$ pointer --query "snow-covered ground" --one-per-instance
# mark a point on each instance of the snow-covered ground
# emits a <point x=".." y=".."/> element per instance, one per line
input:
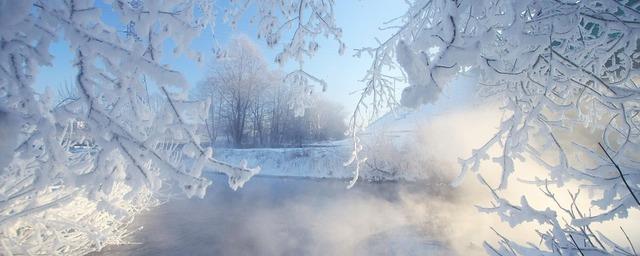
<point x="327" y="161"/>
<point x="400" y="146"/>
<point x="310" y="162"/>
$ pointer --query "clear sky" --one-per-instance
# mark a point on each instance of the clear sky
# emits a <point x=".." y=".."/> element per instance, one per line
<point x="359" y="20"/>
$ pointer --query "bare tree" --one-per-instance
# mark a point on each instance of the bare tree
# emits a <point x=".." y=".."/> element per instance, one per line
<point x="238" y="78"/>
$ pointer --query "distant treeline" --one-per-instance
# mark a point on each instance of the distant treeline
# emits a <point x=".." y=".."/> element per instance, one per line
<point x="253" y="106"/>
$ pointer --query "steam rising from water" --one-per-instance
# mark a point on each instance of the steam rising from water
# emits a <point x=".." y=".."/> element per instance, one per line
<point x="293" y="217"/>
<point x="271" y="216"/>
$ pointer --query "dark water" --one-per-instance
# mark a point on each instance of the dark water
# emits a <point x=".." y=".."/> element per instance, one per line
<point x="289" y="216"/>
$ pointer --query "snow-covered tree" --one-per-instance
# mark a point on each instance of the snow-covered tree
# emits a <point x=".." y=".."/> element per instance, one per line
<point x="257" y="106"/>
<point x="237" y="79"/>
<point x="566" y="72"/>
<point x="327" y="119"/>
<point x="73" y="176"/>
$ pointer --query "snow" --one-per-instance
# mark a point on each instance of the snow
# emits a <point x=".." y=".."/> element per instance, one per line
<point x="326" y="160"/>
<point x="564" y="72"/>
<point x="311" y="162"/>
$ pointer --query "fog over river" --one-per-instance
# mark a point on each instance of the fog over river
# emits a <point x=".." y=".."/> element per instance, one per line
<point x="293" y="216"/>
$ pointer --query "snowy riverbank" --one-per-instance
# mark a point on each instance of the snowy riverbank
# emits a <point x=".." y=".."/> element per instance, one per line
<point x="312" y="162"/>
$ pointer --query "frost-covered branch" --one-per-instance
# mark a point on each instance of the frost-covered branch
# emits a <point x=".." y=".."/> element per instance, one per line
<point x="566" y="73"/>
<point x="293" y="24"/>
<point x="78" y="170"/>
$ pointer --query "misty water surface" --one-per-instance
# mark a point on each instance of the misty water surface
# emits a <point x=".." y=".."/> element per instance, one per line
<point x="289" y="216"/>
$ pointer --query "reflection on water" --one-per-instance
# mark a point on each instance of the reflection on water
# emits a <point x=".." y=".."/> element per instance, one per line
<point x="285" y="216"/>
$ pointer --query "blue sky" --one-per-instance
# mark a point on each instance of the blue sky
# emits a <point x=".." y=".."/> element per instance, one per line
<point x="359" y="20"/>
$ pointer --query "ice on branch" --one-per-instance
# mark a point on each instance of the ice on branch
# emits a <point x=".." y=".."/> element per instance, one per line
<point x="566" y="74"/>
<point x="74" y="173"/>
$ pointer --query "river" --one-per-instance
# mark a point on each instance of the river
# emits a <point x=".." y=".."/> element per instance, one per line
<point x="291" y="216"/>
